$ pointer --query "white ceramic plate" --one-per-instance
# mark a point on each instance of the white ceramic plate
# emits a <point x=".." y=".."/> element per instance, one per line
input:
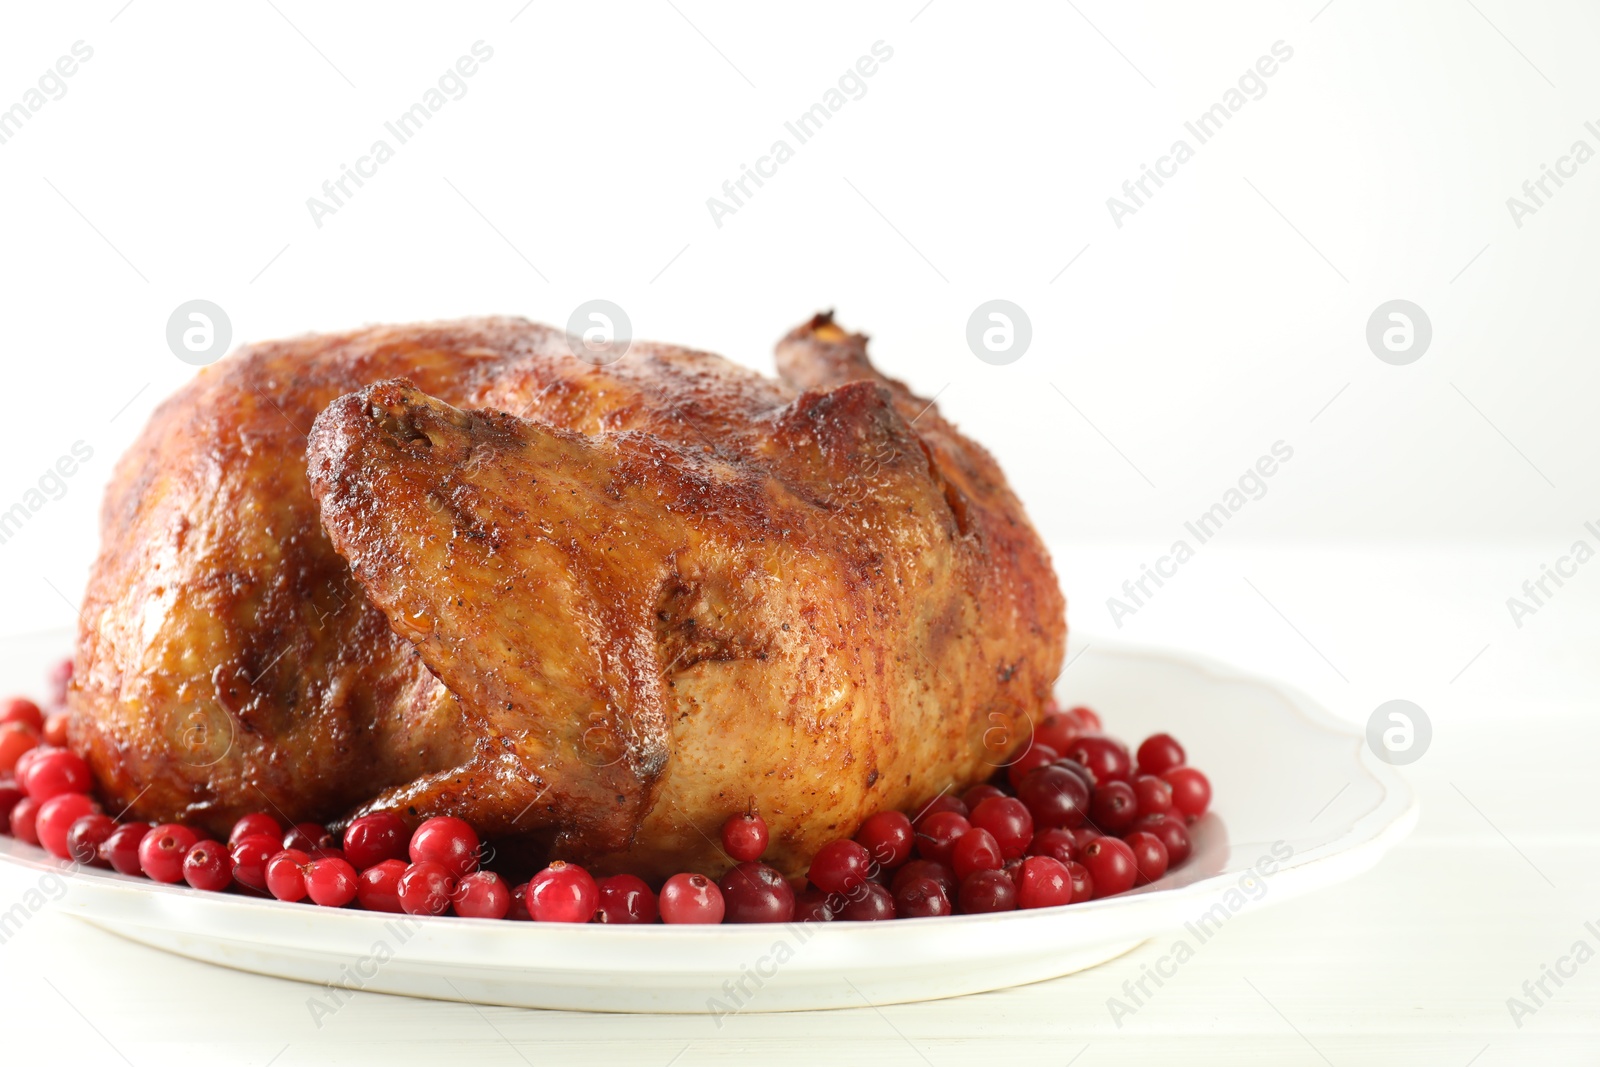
<point x="1299" y="804"/>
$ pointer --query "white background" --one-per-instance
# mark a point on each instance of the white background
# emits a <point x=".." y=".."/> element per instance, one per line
<point x="1227" y="314"/>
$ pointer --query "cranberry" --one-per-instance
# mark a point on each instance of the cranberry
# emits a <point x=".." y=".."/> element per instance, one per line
<point x="1149" y="856"/>
<point x="371" y="839"/>
<point x="1055" y="843"/>
<point x="1082" y="882"/>
<point x="162" y="850"/>
<point x="305" y="836"/>
<point x="55" y="772"/>
<point x="975" y="850"/>
<point x="921" y="898"/>
<point x="1037" y="755"/>
<point x="916" y="869"/>
<point x="253" y="825"/>
<point x="1114" y="807"/>
<point x="1088" y="720"/>
<point x="55" y="730"/>
<point x="1057" y="730"/>
<point x="888" y="838"/>
<point x="1044" y="883"/>
<point x="1009" y="820"/>
<point x="1111" y="865"/>
<point x="812" y="905"/>
<point x="744" y="837"/>
<point x="24" y="761"/>
<point x="519" y="903"/>
<point x="1083" y="835"/>
<point x="986" y="891"/>
<point x="938" y="833"/>
<point x="839" y="866"/>
<point x="56" y="817"/>
<point x="942" y="802"/>
<point x="15" y="741"/>
<point x="482" y="895"/>
<point x="1084" y="774"/>
<point x="755" y="893"/>
<point x="1154" y="795"/>
<point x="331" y="882"/>
<point x="450" y="842"/>
<point x="206" y="866"/>
<point x="694" y="898"/>
<point x="1191" y="791"/>
<point x="1170" y="829"/>
<point x="10" y="794"/>
<point x="870" y="902"/>
<point x="121" y="849"/>
<point x="249" y="856"/>
<point x="286" y="874"/>
<point x="979" y="793"/>
<point x="1104" y="757"/>
<point x="627" y="901"/>
<point x="378" y="887"/>
<point x="563" y="893"/>
<point x="1055" y="796"/>
<point x="425" y="888"/>
<point x="1159" y="753"/>
<point x="86" y="836"/>
<point x="23" y="710"/>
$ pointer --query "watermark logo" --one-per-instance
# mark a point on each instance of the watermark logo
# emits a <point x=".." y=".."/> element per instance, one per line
<point x="1399" y="732"/>
<point x="1399" y="332"/>
<point x="1537" y="992"/>
<point x="599" y="332"/>
<point x="999" y="332"/>
<point x="199" y="332"/>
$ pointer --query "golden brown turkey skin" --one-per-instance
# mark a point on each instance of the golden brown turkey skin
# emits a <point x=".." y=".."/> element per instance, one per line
<point x="673" y="589"/>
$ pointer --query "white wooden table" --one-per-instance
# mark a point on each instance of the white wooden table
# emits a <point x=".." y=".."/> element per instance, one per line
<point x="1412" y="963"/>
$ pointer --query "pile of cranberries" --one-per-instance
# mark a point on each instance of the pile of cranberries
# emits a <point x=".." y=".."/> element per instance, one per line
<point x="1075" y="817"/>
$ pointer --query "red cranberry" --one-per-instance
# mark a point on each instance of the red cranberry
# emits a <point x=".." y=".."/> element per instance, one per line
<point x="1105" y="757"/>
<point x="1082" y="882"/>
<point x="1170" y="829"/>
<point x="425" y="888"/>
<point x="921" y="898"/>
<point x="870" y="902"/>
<point x="1111" y="864"/>
<point x="519" y="904"/>
<point x="1191" y="791"/>
<point x="563" y="893"/>
<point x="979" y="793"/>
<point x="1114" y="807"/>
<point x="888" y="838"/>
<point x="55" y="772"/>
<point x="482" y="895"/>
<point x="938" y="833"/>
<point x="1054" y="796"/>
<point x="1088" y="720"/>
<point x="121" y="849"/>
<point x="55" y="819"/>
<point x="206" y="866"/>
<point x="1159" y="753"/>
<point x="1057" y="730"/>
<point x="755" y="893"/>
<point x="378" y="887"/>
<point x="744" y="837"/>
<point x="162" y="850"/>
<point x="1008" y="819"/>
<point x="249" y="856"/>
<point x="450" y="842"/>
<point x="1055" y="843"/>
<point x="694" y="898"/>
<point x="16" y="741"/>
<point x="331" y="882"/>
<point x="1083" y="835"/>
<point x="1153" y="794"/>
<point x="55" y="730"/>
<point x="1044" y="883"/>
<point x="975" y="850"/>
<point x="256" y="824"/>
<point x="1084" y="774"/>
<point x="1037" y="755"/>
<point x="23" y="710"/>
<point x="986" y="891"/>
<point x="371" y="839"/>
<point x="938" y="872"/>
<point x="286" y="874"/>
<point x="307" y="837"/>
<point x="627" y="901"/>
<point x="942" y="802"/>
<point x="1149" y="856"/>
<point x="10" y="794"/>
<point x="26" y="759"/>
<point x="86" y="837"/>
<point x="839" y="866"/>
<point x="812" y="905"/>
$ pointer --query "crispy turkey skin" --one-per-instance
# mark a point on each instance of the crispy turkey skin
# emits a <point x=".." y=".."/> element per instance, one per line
<point x="452" y="569"/>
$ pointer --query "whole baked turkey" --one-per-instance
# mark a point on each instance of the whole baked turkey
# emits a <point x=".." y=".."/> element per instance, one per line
<point x="593" y="610"/>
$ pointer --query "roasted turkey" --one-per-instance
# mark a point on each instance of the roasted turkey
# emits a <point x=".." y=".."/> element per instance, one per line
<point x="593" y="610"/>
